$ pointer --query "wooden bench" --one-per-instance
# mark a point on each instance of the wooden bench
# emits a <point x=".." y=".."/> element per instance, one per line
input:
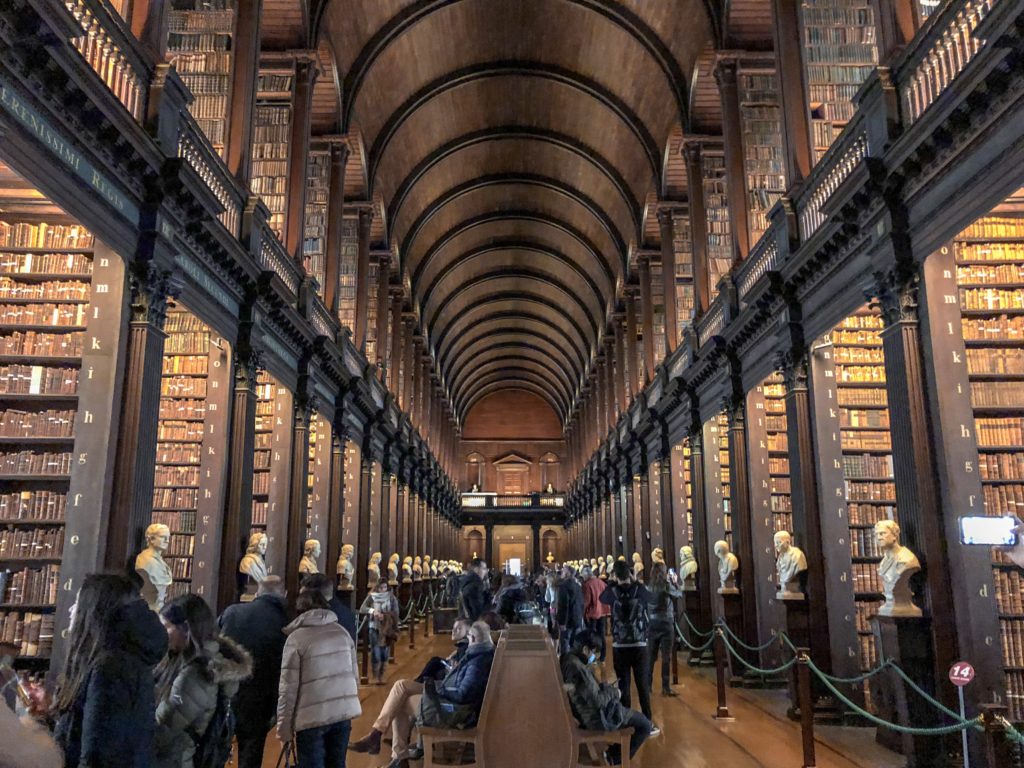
<point x="525" y="697"/>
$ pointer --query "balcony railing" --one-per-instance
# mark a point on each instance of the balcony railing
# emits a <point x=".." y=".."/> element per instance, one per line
<point x="108" y="50"/>
<point x="274" y="258"/>
<point x="839" y="162"/>
<point x="195" y="150"/>
<point x="941" y="53"/>
<point x="513" y="500"/>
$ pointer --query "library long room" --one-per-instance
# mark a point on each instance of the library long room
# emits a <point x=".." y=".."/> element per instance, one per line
<point x="336" y="323"/>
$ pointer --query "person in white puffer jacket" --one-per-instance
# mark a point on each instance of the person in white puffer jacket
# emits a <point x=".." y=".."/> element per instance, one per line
<point x="319" y="691"/>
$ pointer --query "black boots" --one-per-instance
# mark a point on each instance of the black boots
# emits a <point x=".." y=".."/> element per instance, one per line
<point x="369" y="744"/>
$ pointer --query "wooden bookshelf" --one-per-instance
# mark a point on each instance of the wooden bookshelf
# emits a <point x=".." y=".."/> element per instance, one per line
<point x="347" y="272"/>
<point x="318" y="480"/>
<point x="199" y="44"/>
<point x="272" y="466"/>
<point x="314" y="244"/>
<point x="989" y="257"/>
<point x="684" y="270"/>
<point x="658" y="304"/>
<point x="719" y="251"/>
<point x="271" y="141"/>
<point x="47" y="269"/>
<point x="373" y="285"/>
<point x="763" y="153"/>
<point x="350" y="517"/>
<point x="716" y="480"/>
<point x="839" y="54"/>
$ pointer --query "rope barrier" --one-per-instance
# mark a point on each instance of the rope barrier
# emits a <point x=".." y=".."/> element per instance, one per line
<point x="757" y="670"/>
<point x="694" y="629"/>
<point x="739" y="641"/>
<point x="694" y="648"/>
<point x="942" y="730"/>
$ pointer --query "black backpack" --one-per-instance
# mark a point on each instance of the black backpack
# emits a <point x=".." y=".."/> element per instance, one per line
<point x="629" y="617"/>
<point x="213" y="746"/>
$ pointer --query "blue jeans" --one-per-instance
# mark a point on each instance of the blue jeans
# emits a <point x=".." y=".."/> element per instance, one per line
<point x="380" y="653"/>
<point x="323" y="747"/>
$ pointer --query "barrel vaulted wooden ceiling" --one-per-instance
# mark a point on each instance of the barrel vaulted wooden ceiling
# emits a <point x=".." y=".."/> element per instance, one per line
<point x="517" y="150"/>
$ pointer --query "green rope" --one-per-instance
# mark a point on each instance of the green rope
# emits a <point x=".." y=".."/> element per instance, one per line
<point x="936" y="731"/>
<point x="709" y="633"/>
<point x="694" y="648"/>
<point x="867" y="676"/>
<point x="739" y="641"/>
<point x="922" y="693"/>
<point x="757" y="670"/>
<point x="1012" y="734"/>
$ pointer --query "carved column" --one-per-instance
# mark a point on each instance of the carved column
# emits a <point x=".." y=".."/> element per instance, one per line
<point x="897" y="21"/>
<point x="644" y="545"/>
<point x="742" y="519"/>
<point x="633" y="377"/>
<point x="796" y="119"/>
<point x="362" y="280"/>
<point x="726" y="72"/>
<point x="305" y="405"/>
<point x="619" y="534"/>
<point x="408" y="352"/>
<point x="668" y="527"/>
<point x="628" y="514"/>
<point x="335" y="517"/>
<point x="131" y="506"/>
<point x="148" y="22"/>
<point x="395" y="347"/>
<point x="668" y="279"/>
<point x="488" y="553"/>
<point x="609" y="382"/>
<point x="620" y="362"/>
<point x="241" y="447"/>
<point x="401" y="516"/>
<point x="706" y="577"/>
<point x="805" y="499"/>
<point x="387" y="537"/>
<point x="383" y="360"/>
<point x="698" y="227"/>
<point x="245" y="50"/>
<point x="647" y="315"/>
<point x="335" y="222"/>
<point x="363" y="539"/>
<point x="298" y="156"/>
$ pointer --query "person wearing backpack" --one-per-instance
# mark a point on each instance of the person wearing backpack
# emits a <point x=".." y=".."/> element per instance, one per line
<point x="195" y="683"/>
<point x="318" y="695"/>
<point x="629" y="600"/>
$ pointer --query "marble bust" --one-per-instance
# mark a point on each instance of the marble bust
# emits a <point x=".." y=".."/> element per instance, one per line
<point x="638" y="566"/>
<point x="728" y="563"/>
<point x="151" y="566"/>
<point x="393" y="569"/>
<point x="426" y="567"/>
<point x="310" y="555"/>
<point x="417" y="569"/>
<point x="254" y="564"/>
<point x="897" y="566"/>
<point x="407" y="569"/>
<point x="373" y="569"/>
<point x="346" y="568"/>
<point x="658" y="556"/>
<point x="687" y="568"/>
<point x="790" y="563"/>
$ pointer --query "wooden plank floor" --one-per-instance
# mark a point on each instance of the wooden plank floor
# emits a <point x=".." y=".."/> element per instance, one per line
<point x="691" y="738"/>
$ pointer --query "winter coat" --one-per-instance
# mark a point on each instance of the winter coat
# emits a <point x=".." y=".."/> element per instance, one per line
<point x="386" y="603"/>
<point x="507" y="600"/>
<point x="113" y="720"/>
<point x="467" y="683"/>
<point x="662" y="605"/>
<point x="587" y="696"/>
<point x="319" y="684"/>
<point x="593" y="608"/>
<point x="259" y="628"/>
<point x="569" y="613"/>
<point x="192" y="699"/>
<point x="346" y="617"/>
<point x="473" y="598"/>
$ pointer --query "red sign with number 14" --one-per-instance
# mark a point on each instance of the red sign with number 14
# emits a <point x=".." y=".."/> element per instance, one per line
<point x="961" y="673"/>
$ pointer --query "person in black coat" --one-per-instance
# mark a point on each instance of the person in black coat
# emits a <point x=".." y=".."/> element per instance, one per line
<point x="569" y="609"/>
<point x="322" y="583"/>
<point x="473" y="598"/>
<point x="259" y="628"/>
<point x="106" y="703"/>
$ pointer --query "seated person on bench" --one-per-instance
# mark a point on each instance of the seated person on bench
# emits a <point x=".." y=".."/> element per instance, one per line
<point x="403" y="702"/>
<point x="596" y="705"/>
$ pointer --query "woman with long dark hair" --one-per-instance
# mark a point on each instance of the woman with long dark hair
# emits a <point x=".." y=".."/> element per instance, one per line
<point x="199" y="664"/>
<point x="104" y="704"/>
<point x="664" y="591"/>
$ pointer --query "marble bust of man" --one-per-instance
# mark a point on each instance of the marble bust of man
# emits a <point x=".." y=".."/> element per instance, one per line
<point x="254" y="564"/>
<point x="790" y="563"/>
<point x="310" y="554"/>
<point x="728" y="563"/>
<point x="346" y="569"/>
<point x="393" y="569"/>
<point x="897" y="566"/>
<point x="407" y="570"/>
<point x="151" y="566"/>
<point x="373" y="569"/>
<point x="687" y="568"/>
<point x="638" y="566"/>
<point x="417" y="568"/>
<point x="658" y="556"/>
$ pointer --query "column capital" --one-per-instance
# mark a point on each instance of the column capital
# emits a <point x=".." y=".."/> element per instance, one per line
<point x="726" y="70"/>
<point x="794" y="365"/>
<point x="894" y="293"/>
<point x="152" y="288"/>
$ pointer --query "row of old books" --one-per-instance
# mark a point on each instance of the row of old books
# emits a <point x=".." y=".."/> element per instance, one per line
<point x="55" y="290"/>
<point x="30" y="632"/>
<point x="44" y="235"/>
<point x="178" y="453"/>
<point x="995" y="360"/>
<point x="854" y="417"/>
<point x="42" y="506"/>
<point x="172" y="476"/>
<point x="869" y="514"/>
<point x="1011" y="634"/>
<point x="862" y="397"/>
<point x="865" y="610"/>
<point x="30" y="586"/>
<point x="859" y="490"/>
<point x="36" y="343"/>
<point x="1001" y="466"/>
<point x="1006" y="430"/>
<point x="67" y="315"/>
<point x="858" y="440"/>
<point x="46" y="423"/>
<point x="176" y="409"/>
<point x="25" y="543"/>
<point x="184" y="431"/>
<point x="862" y="543"/>
<point x="176" y="520"/>
<point x="183" y="386"/>
<point x="996" y="394"/>
<point x="20" y="379"/>
<point x="35" y="463"/>
<point x="63" y="263"/>
<point x="859" y="355"/>
<point x="1009" y="591"/>
<point x="1004" y="499"/>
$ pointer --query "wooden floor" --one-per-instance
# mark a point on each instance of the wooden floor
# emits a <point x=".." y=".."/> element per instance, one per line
<point x="760" y="737"/>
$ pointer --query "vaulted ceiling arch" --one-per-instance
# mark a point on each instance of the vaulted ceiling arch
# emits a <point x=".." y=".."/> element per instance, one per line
<point x="505" y="385"/>
<point x="514" y="339"/>
<point x="523" y="361"/>
<point x="506" y="378"/>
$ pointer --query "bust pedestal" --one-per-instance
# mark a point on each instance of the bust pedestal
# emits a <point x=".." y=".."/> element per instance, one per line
<point x="691" y="602"/>
<point x="907" y="640"/>
<point x="798" y="627"/>
<point x="732" y="612"/>
<point x="347" y="595"/>
<point x="404" y="595"/>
